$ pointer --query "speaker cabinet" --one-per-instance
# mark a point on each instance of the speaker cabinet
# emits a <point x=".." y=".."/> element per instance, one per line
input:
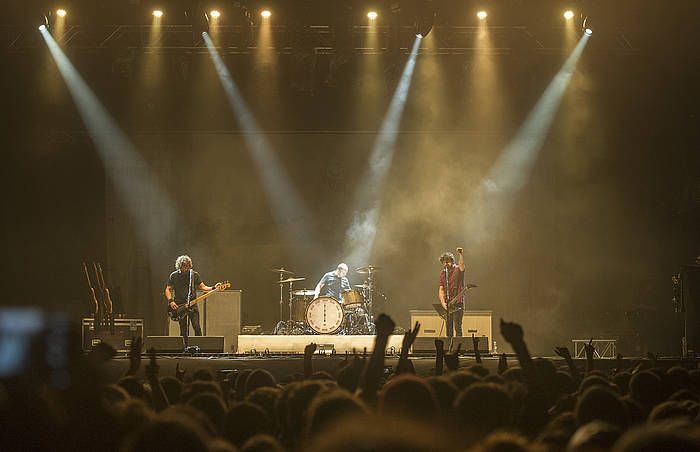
<point x="220" y="315"/>
<point x="207" y="344"/>
<point x="125" y="330"/>
<point x="477" y="323"/>
<point x="164" y="344"/>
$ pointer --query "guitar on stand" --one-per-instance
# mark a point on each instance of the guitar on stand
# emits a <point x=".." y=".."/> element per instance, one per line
<point x="180" y="312"/>
<point x="93" y="298"/>
<point x="109" y="315"/>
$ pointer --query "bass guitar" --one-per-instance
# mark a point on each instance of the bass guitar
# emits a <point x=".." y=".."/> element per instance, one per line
<point x="181" y="311"/>
<point x="452" y="305"/>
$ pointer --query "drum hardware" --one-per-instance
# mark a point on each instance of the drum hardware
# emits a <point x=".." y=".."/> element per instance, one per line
<point x="290" y="326"/>
<point x="282" y="270"/>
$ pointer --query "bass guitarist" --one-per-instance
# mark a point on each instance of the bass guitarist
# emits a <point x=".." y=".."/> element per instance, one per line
<point x="451" y="290"/>
<point x="181" y="288"/>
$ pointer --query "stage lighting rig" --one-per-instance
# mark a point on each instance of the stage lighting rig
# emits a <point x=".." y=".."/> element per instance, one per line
<point x="425" y="17"/>
<point x="586" y="26"/>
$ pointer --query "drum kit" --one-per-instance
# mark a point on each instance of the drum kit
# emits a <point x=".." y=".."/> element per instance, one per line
<point x="327" y="315"/>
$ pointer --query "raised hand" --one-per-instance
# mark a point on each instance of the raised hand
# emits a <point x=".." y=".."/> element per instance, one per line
<point x="563" y="352"/>
<point x="310" y="349"/>
<point x="590" y="349"/>
<point x="152" y="368"/>
<point x="511" y="331"/>
<point x="134" y="356"/>
<point x="502" y="363"/>
<point x="475" y="342"/>
<point x="439" y="346"/>
<point x="460" y="250"/>
<point x="384" y="324"/>
<point x="409" y="337"/>
<point x="179" y="372"/>
<point x="452" y="359"/>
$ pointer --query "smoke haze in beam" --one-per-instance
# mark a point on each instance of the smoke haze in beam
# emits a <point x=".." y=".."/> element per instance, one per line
<point x="149" y="206"/>
<point x="290" y="212"/>
<point x="511" y="171"/>
<point x="361" y="234"/>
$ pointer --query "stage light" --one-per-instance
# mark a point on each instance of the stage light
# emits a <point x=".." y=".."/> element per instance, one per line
<point x="372" y="15"/>
<point x="482" y="15"/>
<point x="265" y="13"/>
<point x="61" y="12"/>
<point x="42" y="27"/>
<point x="588" y="31"/>
<point x="214" y="14"/>
<point x="568" y="14"/>
<point x="157" y="13"/>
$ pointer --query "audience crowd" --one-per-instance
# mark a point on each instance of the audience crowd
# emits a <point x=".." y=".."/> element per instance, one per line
<point x="536" y="404"/>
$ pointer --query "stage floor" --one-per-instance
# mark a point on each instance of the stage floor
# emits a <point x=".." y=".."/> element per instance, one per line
<point x="297" y="343"/>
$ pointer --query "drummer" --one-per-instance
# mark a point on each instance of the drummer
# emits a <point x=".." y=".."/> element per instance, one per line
<point x="334" y="283"/>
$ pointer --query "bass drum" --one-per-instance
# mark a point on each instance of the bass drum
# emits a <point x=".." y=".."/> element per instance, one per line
<point x="325" y="315"/>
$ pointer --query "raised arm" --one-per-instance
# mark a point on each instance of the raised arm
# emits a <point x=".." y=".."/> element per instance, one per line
<point x="372" y="375"/>
<point x="460" y="258"/>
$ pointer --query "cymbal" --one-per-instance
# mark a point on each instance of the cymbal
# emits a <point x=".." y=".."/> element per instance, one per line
<point x="362" y="286"/>
<point x="289" y="280"/>
<point x="304" y="293"/>
<point x="367" y="269"/>
<point x="282" y="270"/>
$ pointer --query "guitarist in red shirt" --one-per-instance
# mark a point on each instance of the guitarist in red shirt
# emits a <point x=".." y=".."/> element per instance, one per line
<point x="451" y="290"/>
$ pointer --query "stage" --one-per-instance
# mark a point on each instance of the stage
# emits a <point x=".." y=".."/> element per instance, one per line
<point x="265" y="343"/>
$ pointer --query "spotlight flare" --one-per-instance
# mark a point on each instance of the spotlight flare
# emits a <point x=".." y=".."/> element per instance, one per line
<point x="568" y="14"/>
<point x="157" y="13"/>
<point x="372" y="15"/>
<point x="61" y="12"/>
<point x="215" y="14"/>
<point x="265" y="13"/>
<point x="482" y="15"/>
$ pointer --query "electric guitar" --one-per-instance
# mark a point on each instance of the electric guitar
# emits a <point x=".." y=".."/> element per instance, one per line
<point x="181" y="311"/>
<point x="452" y="305"/>
<point x="93" y="298"/>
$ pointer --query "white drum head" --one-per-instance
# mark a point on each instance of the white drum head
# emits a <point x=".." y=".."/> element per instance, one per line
<point x="325" y="315"/>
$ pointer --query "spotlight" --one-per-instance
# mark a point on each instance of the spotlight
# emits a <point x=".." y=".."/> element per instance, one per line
<point x="482" y="15"/>
<point x="214" y="14"/>
<point x="61" y="12"/>
<point x="42" y="27"/>
<point x="265" y="13"/>
<point x="372" y="15"/>
<point x="424" y="18"/>
<point x="568" y="14"/>
<point x="586" y="26"/>
<point x="157" y="13"/>
<point x="588" y="31"/>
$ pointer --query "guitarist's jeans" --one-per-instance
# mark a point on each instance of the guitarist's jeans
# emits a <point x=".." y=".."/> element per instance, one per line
<point x="455" y="320"/>
<point x="193" y="317"/>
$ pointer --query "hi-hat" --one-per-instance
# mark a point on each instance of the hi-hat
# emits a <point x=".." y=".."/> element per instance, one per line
<point x="367" y="269"/>
<point x="282" y="270"/>
<point x="282" y="281"/>
<point x="362" y="286"/>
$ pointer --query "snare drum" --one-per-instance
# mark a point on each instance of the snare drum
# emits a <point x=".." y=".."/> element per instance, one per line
<point x="353" y="299"/>
<point x="325" y="315"/>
